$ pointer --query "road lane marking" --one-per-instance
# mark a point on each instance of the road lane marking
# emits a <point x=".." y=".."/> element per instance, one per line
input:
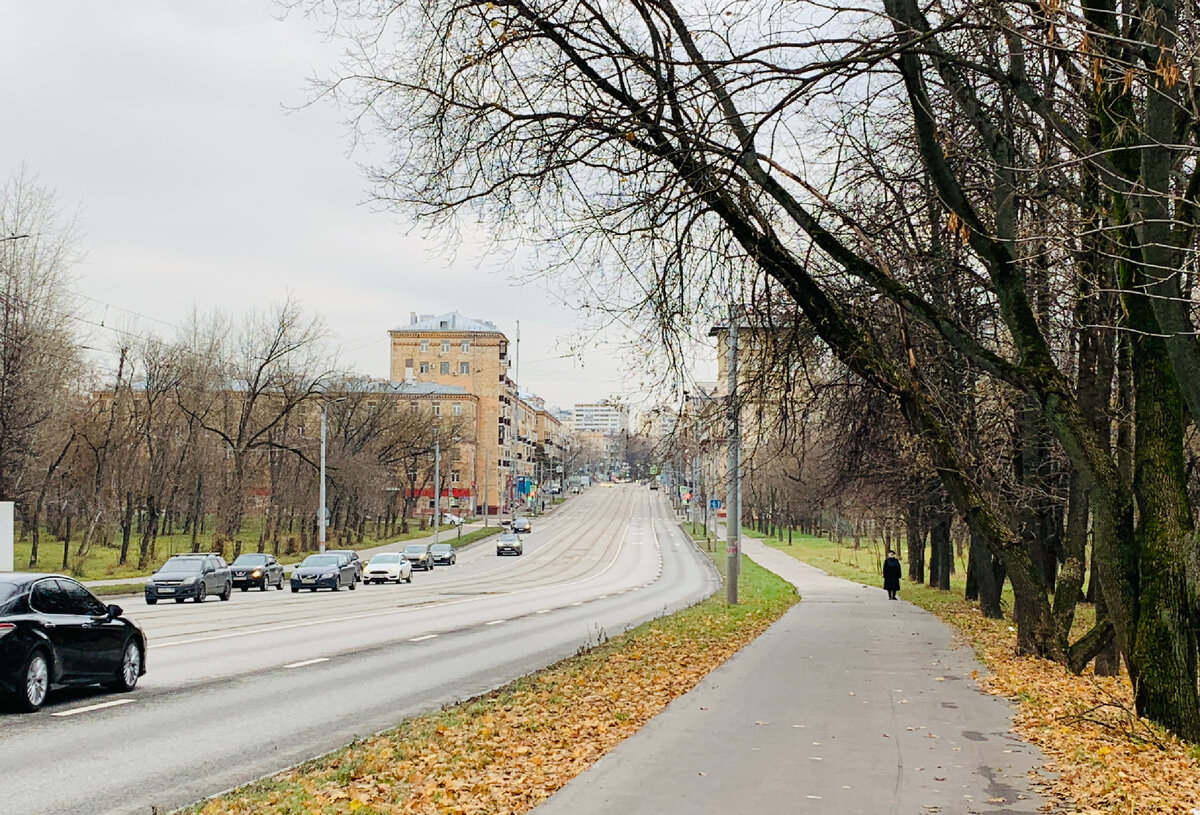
<point x="307" y="662"/>
<point x="90" y="708"/>
<point x="496" y="622"/>
<point x="544" y="611"/>
<point x="423" y="637"/>
<point x="577" y="604"/>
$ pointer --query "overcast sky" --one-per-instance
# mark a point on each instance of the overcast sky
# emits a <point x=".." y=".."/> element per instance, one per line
<point x="169" y="124"/>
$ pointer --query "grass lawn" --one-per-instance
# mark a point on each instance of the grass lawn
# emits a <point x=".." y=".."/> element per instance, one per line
<point x="101" y="562"/>
<point x="510" y="749"/>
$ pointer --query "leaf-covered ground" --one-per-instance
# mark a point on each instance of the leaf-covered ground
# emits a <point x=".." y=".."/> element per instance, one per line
<point x="1102" y="757"/>
<point x="507" y="751"/>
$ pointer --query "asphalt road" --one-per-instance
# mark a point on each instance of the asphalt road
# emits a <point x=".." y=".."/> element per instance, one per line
<point x="239" y="689"/>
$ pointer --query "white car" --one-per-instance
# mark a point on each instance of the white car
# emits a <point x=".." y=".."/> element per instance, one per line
<point x="387" y="567"/>
<point x="451" y="518"/>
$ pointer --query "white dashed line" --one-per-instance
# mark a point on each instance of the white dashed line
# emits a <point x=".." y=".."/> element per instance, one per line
<point x="496" y="622"/>
<point x="90" y="708"/>
<point x="577" y="604"/>
<point x="307" y="662"/>
<point x="423" y="637"/>
<point x="544" y="611"/>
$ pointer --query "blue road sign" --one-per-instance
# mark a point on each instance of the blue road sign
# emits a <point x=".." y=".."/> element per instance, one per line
<point x="714" y="503"/>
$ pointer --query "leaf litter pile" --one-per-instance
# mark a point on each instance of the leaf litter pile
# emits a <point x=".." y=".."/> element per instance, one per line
<point x="507" y="751"/>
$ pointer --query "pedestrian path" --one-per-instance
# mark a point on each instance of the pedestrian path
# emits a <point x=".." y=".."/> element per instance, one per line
<point x="851" y="703"/>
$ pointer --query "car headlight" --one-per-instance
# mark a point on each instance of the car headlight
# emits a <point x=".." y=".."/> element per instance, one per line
<point x="329" y="574"/>
<point x="187" y="581"/>
<point x="256" y="573"/>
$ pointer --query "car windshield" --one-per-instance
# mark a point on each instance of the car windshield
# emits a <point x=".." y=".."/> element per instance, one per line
<point x="7" y="590"/>
<point x="385" y="557"/>
<point x="440" y="548"/>
<point x="181" y="566"/>
<point x="414" y="549"/>
<point x="251" y="560"/>
<point x="320" y="560"/>
<point x="509" y="537"/>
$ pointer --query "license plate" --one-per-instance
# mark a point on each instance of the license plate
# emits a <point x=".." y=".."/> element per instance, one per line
<point x="166" y="590"/>
<point x="308" y="580"/>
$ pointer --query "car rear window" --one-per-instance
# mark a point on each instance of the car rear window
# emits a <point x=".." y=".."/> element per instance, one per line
<point x="7" y="592"/>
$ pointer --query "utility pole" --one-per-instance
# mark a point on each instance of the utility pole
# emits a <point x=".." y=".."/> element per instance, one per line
<point x="437" y="484"/>
<point x="733" y="502"/>
<point x="514" y="440"/>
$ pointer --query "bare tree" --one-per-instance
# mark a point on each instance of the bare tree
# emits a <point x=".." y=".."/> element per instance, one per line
<point x="676" y="145"/>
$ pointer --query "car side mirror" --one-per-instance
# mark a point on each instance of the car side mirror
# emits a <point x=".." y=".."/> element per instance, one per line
<point x="114" y="611"/>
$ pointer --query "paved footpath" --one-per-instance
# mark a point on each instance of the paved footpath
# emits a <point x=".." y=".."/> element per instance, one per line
<point x="851" y="703"/>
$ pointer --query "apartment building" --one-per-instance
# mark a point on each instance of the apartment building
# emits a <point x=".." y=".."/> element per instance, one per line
<point x="600" y="417"/>
<point x="514" y="436"/>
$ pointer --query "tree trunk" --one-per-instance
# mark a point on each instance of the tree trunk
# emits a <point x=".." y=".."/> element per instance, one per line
<point x="67" y="545"/>
<point x="915" y="542"/>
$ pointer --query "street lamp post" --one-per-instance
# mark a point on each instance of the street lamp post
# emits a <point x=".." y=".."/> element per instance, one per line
<point x="321" y="513"/>
<point x="437" y="485"/>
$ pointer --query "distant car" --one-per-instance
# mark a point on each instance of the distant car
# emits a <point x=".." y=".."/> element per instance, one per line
<point x="325" y="571"/>
<point x="387" y="566"/>
<point x="443" y="553"/>
<point x="419" y="556"/>
<point x="53" y="631"/>
<point x="555" y="489"/>
<point x="653" y="485"/>
<point x="522" y="525"/>
<point x="354" y="558"/>
<point x="255" y="570"/>
<point x="509" y="542"/>
<point x="189" y="576"/>
<point x="451" y="518"/>
<point x="576" y="490"/>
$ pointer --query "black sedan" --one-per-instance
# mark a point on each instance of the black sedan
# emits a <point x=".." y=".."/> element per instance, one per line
<point x="443" y="553"/>
<point x="53" y="631"/>
<point x="327" y="571"/>
<point x="256" y="571"/>
<point x="522" y="525"/>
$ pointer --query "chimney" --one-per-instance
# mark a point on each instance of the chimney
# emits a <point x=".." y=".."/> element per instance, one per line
<point x="412" y="318"/>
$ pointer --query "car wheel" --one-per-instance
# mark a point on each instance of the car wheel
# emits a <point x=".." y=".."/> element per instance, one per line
<point x="266" y="584"/>
<point x="295" y="590"/>
<point x="201" y="593"/>
<point x="279" y="585"/>
<point x="407" y="579"/>
<point x="180" y="599"/>
<point x="151" y="601"/>
<point x="36" y="682"/>
<point x="131" y="669"/>
<point x="337" y="584"/>
<point x="225" y="595"/>
<point x="244" y="588"/>
<point x="353" y="584"/>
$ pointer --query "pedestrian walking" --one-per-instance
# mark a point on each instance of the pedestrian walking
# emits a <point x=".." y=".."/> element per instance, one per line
<point x="891" y="575"/>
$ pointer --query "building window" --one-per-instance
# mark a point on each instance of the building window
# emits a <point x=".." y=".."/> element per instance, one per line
<point x="456" y="408"/>
<point x="445" y="368"/>
<point x="424" y="346"/>
<point x="445" y="346"/>
<point x="454" y="476"/>
<point x="437" y="408"/>
<point x="464" y="368"/>
<point x="424" y="367"/>
<point x="466" y="346"/>
<point x="412" y="407"/>
<point x="408" y="363"/>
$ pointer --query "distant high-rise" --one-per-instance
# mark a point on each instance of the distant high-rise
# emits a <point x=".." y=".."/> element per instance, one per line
<point x="600" y="417"/>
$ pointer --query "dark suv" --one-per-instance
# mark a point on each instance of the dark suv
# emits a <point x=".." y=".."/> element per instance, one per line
<point x="193" y="577"/>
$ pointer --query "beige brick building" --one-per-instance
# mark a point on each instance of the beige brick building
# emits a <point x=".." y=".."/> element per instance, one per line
<point x="515" y="439"/>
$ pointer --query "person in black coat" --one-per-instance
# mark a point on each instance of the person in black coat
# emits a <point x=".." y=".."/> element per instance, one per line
<point x="891" y="575"/>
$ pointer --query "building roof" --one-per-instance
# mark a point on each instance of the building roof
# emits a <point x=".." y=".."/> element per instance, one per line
<point x="399" y="388"/>
<point x="450" y="321"/>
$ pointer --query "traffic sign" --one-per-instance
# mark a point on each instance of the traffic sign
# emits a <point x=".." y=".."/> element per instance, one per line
<point x="714" y="503"/>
